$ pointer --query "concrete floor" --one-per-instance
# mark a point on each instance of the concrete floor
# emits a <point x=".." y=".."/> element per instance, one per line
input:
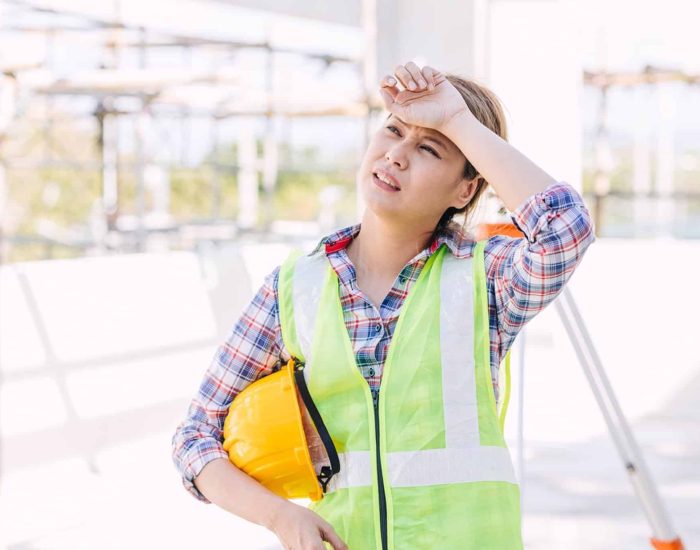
<point x="127" y="494"/>
<point x="85" y="442"/>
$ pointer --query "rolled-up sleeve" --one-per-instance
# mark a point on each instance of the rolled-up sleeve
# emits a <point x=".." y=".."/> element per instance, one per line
<point x="250" y="351"/>
<point x="527" y="274"/>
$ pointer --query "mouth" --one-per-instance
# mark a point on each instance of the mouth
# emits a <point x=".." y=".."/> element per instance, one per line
<point x="386" y="182"/>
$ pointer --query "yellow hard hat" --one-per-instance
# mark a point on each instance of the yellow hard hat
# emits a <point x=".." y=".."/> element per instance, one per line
<point x="264" y="435"/>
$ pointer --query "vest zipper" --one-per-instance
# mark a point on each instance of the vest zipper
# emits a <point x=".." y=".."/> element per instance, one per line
<point x="380" y="479"/>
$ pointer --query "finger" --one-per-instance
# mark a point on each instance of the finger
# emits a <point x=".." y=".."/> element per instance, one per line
<point x="388" y="84"/>
<point x="331" y="536"/>
<point x="416" y="74"/>
<point x="438" y="77"/>
<point x="390" y="104"/>
<point x="388" y="81"/>
<point x="429" y="75"/>
<point x="405" y="77"/>
<point x="387" y="98"/>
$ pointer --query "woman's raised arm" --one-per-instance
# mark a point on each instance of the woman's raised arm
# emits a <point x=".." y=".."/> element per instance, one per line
<point x="513" y="176"/>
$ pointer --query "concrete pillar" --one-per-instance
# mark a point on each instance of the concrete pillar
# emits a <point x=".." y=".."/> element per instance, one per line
<point x="109" y="143"/>
<point x="665" y="211"/>
<point x="450" y="36"/>
<point x="247" y="176"/>
<point x="525" y="50"/>
<point x="603" y="160"/>
<point x="8" y="95"/>
<point x="270" y="165"/>
<point x="143" y="144"/>
<point x="641" y="176"/>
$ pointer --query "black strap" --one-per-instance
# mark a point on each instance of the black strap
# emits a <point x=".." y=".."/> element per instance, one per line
<point x="326" y="472"/>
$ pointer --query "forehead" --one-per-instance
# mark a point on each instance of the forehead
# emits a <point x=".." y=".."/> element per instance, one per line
<point x="428" y="132"/>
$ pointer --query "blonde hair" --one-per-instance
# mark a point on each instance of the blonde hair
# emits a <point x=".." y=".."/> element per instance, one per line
<point x="487" y="108"/>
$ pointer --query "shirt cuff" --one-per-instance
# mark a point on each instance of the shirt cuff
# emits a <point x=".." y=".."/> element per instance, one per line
<point x="202" y="454"/>
<point x="535" y="213"/>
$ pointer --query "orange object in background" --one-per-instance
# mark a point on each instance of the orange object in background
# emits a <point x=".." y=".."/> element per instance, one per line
<point x="675" y="544"/>
<point x="486" y="230"/>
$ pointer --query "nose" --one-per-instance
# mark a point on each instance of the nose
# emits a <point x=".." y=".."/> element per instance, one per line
<point x="397" y="156"/>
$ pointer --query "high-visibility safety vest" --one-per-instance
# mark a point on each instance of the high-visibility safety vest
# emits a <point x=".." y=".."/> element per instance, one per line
<point x="427" y="467"/>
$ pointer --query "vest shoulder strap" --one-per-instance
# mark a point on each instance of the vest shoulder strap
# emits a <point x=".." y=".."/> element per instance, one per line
<point x="480" y="278"/>
<point x="301" y="282"/>
<point x="285" y="301"/>
<point x="506" y="395"/>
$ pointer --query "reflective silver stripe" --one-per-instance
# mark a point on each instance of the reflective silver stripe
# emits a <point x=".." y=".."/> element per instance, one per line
<point x="429" y="467"/>
<point x="309" y="275"/>
<point x="444" y="466"/>
<point x="457" y="353"/>
<point x="355" y="471"/>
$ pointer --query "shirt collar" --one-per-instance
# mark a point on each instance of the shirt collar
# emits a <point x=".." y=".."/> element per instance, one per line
<point x="453" y="236"/>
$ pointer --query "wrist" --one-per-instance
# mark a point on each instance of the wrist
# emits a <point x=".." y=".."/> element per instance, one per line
<point x="458" y="123"/>
<point x="273" y="512"/>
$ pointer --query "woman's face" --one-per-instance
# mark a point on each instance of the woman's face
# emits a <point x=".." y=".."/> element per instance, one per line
<point x="424" y="170"/>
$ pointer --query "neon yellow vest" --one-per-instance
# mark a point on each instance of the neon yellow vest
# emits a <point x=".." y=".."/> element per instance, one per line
<point x="428" y="468"/>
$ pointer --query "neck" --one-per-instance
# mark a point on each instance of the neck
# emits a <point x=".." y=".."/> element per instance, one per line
<point x="386" y="247"/>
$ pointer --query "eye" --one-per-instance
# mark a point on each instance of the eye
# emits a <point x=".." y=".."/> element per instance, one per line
<point x="394" y="130"/>
<point x="431" y="150"/>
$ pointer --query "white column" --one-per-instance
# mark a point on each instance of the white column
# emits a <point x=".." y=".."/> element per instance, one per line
<point x="641" y="177"/>
<point x="247" y="176"/>
<point x="527" y="51"/>
<point x="449" y="35"/>
<point x="665" y="213"/>
<point x="8" y="89"/>
<point x="110" y="144"/>
<point x="144" y="152"/>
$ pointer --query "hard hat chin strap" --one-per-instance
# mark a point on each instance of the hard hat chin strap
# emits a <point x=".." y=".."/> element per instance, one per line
<point x="327" y="472"/>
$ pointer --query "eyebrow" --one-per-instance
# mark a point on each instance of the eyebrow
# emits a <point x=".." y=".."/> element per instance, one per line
<point x="429" y="138"/>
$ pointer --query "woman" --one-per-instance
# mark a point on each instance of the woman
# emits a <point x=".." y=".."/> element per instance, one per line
<point x="425" y="463"/>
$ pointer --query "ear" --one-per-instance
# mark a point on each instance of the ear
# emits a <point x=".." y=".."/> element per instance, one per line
<point x="467" y="188"/>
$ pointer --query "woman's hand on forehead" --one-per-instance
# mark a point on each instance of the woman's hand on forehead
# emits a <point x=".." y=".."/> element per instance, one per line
<point x="427" y="99"/>
<point x="415" y="79"/>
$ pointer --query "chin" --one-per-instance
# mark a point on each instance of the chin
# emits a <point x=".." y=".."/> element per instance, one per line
<point x="385" y="209"/>
<point x="375" y="197"/>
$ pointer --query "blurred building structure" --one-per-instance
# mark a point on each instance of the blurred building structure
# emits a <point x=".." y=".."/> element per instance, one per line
<point x="100" y="355"/>
<point x="150" y="94"/>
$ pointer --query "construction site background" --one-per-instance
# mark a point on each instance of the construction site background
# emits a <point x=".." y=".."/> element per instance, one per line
<point x="153" y="170"/>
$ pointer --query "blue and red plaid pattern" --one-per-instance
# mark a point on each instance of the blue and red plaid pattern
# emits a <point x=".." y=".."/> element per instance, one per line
<point x="523" y="276"/>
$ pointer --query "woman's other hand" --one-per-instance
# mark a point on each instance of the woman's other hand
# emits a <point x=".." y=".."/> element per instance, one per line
<point x="298" y="528"/>
<point x="428" y="98"/>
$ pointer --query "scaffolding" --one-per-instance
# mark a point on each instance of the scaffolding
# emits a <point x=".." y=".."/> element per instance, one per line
<point x="128" y="94"/>
<point x="653" y="195"/>
<point x="148" y="92"/>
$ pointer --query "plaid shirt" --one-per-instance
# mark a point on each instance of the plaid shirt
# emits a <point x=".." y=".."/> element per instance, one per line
<point x="523" y="276"/>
